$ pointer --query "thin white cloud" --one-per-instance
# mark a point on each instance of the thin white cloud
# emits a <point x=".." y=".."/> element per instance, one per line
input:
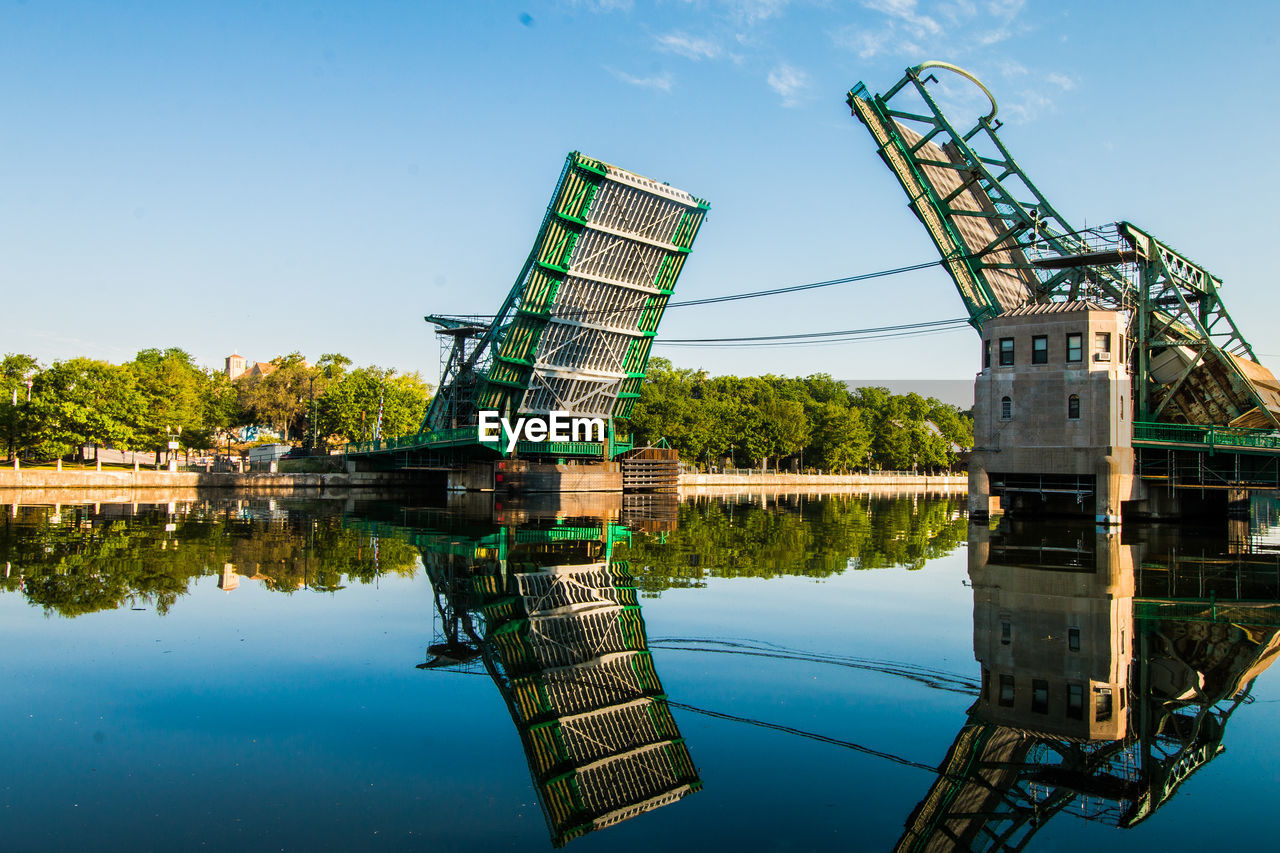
<point x="789" y="82"/>
<point x="995" y="36"/>
<point x="1011" y="68"/>
<point x="1028" y="106"/>
<point x="659" y="82"/>
<point x="957" y="11"/>
<point x="690" y="47"/>
<point x="1006" y="9"/>
<point x="1062" y="81"/>
<point x="866" y="43"/>
<point x="751" y="12"/>
<point x="904" y="12"/>
<point x="605" y="5"/>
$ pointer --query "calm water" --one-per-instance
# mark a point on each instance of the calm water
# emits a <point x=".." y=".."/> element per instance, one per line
<point x="845" y="672"/>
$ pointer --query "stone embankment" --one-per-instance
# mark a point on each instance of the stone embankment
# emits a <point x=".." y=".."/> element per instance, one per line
<point x="146" y="482"/>
<point x="889" y="483"/>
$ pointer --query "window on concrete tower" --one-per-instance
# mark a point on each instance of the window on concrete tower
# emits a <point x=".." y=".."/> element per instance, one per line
<point x="1006" y="408"/>
<point x="1075" y="347"/>
<point x="1006" y="352"/>
<point x="1006" y="691"/>
<point x="1039" y="696"/>
<point x="1075" y="701"/>
<point x="1102" y="703"/>
<point x="1040" y="349"/>
<point x="986" y="354"/>
<point x="1073" y="407"/>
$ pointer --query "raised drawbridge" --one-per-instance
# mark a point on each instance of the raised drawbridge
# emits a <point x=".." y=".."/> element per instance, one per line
<point x="574" y="333"/>
<point x="1005" y="246"/>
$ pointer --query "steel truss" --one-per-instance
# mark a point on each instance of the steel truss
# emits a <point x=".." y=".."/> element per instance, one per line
<point x="1005" y="245"/>
<point x="575" y="332"/>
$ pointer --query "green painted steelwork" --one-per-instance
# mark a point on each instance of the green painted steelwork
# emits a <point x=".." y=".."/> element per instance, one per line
<point x="576" y="329"/>
<point x="1005" y="245"/>
<point x="1207" y="438"/>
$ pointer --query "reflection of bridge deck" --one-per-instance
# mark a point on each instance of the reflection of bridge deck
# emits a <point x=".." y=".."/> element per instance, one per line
<point x="556" y="623"/>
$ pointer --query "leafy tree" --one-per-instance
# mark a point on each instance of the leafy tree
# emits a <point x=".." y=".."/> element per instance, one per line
<point x="349" y="407"/>
<point x="81" y="401"/>
<point x="176" y="396"/>
<point x="282" y="397"/>
<point x="15" y="370"/>
<point x="757" y="419"/>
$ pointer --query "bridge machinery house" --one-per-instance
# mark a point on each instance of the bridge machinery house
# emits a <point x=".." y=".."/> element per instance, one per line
<point x="1052" y="412"/>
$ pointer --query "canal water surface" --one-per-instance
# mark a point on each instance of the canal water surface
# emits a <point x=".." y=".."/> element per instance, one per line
<point x="844" y="672"/>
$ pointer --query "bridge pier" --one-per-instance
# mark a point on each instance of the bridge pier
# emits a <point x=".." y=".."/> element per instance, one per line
<point x="1051" y="429"/>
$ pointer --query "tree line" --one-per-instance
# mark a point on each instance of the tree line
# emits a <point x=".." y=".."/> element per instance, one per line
<point x="815" y="422"/>
<point x="49" y="412"/>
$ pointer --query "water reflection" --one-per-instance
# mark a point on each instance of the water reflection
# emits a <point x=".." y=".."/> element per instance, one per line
<point x="1110" y="668"/>
<point x="766" y="537"/>
<point x="539" y="600"/>
<point x="78" y="559"/>
<point x="73" y="559"/>
<point x="544" y="599"/>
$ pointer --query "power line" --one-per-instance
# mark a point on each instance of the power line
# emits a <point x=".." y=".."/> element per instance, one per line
<point x="799" y="287"/>
<point x="872" y="330"/>
<point x="821" y="338"/>
<point x="733" y="297"/>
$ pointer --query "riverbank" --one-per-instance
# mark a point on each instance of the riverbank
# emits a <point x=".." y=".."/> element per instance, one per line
<point x="251" y="483"/>
<point x="146" y="484"/>
<point x="894" y="483"/>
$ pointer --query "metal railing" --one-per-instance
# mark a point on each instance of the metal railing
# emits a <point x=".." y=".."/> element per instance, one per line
<point x="439" y="438"/>
<point x="468" y="435"/>
<point x="1208" y="436"/>
<point x="561" y="448"/>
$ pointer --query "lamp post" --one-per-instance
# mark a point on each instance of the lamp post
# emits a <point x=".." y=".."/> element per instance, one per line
<point x="13" y="420"/>
<point x="311" y="440"/>
<point x="28" y="384"/>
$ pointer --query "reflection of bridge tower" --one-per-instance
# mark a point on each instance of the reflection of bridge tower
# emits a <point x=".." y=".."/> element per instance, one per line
<point x="1052" y="628"/>
<point x="1030" y="749"/>
<point x="557" y="625"/>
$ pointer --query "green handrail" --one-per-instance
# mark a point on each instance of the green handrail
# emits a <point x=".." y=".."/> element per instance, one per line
<point x="1209" y="436"/>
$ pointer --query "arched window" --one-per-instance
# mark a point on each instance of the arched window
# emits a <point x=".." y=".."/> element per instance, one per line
<point x="1073" y="407"/>
<point x="1006" y="408"/>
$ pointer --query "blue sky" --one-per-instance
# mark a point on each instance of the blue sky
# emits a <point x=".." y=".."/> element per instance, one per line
<point x="270" y="177"/>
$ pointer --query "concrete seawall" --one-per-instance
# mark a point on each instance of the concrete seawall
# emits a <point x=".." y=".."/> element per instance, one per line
<point x="145" y="481"/>
<point x="723" y="484"/>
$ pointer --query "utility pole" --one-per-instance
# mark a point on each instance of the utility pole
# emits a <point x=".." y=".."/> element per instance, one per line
<point x="13" y="420"/>
<point x="311" y="441"/>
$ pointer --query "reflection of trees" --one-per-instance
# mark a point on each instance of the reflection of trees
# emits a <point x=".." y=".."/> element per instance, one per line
<point x="808" y="537"/>
<point x="84" y="563"/>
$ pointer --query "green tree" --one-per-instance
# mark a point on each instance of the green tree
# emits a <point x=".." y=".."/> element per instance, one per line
<point x="176" y="396"/>
<point x="15" y="371"/>
<point x="78" y="402"/>
<point x="282" y="397"/>
<point x="349" y="407"/>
